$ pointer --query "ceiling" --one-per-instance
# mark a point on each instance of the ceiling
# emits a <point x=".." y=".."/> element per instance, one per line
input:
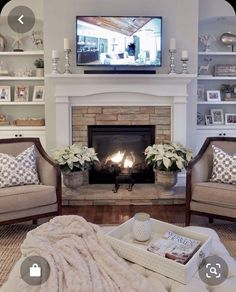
<point x="124" y="25"/>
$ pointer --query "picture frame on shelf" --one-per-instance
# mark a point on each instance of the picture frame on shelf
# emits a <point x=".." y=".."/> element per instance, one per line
<point x="38" y="94"/>
<point x="201" y="93"/>
<point x="213" y="95"/>
<point x="208" y="120"/>
<point x="21" y="93"/>
<point x="230" y="119"/>
<point x="5" y="93"/>
<point x="217" y="116"/>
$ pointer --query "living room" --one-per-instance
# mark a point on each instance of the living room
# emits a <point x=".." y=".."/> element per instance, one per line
<point x="115" y="93"/>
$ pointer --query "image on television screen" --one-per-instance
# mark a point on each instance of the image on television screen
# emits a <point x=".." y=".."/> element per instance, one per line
<point x="103" y="40"/>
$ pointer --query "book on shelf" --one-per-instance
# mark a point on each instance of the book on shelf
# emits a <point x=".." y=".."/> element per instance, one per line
<point x="174" y="246"/>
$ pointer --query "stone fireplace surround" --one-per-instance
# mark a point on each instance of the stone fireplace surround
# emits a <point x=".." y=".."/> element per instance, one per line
<point x="120" y="90"/>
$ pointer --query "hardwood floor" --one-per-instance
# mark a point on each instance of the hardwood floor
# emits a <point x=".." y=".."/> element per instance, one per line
<point x="119" y="214"/>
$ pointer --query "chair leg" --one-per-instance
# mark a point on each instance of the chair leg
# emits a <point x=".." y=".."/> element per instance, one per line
<point x="187" y="218"/>
<point x="35" y="221"/>
<point x="211" y="220"/>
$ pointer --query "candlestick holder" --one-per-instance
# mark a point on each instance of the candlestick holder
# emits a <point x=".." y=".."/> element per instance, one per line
<point x="55" y="62"/>
<point x="67" y="63"/>
<point x="184" y="65"/>
<point x="172" y="61"/>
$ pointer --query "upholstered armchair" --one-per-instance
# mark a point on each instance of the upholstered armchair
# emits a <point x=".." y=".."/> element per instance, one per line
<point x="206" y="198"/>
<point x="32" y="201"/>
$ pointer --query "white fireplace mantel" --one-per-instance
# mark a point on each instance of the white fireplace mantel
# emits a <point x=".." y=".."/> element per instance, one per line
<point x="120" y="90"/>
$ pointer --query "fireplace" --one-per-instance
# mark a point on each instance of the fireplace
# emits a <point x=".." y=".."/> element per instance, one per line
<point x="121" y="153"/>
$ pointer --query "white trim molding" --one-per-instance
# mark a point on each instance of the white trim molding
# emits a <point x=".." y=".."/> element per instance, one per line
<point x="120" y="90"/>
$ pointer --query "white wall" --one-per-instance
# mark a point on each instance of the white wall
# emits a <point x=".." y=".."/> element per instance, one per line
<point x="180" y="20"/>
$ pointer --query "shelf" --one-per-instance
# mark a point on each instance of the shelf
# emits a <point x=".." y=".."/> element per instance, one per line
<point x="216" y="102"/>
<point x="217" y="53"/>
<point x="216" y="127"/>
<point x="12" y="78"/>
<point x="15" y="128"/>
<point x="22" y="103"/>
<point x="25" y="53"/>
<point x="209" y="77"/>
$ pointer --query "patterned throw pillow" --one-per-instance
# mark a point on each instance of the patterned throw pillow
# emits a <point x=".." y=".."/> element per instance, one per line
<point x="19" y="170"/>
<point x="224" y="167"/>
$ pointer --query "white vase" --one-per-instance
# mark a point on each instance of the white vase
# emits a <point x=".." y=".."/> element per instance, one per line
<point x="73" y="180"/>
<point x="39" y="72"/>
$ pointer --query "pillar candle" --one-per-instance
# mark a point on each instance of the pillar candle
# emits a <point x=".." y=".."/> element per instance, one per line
<point x="55" y="54"/>
<point x="172" y="44"/>
<point x="66" y="44"/>
<point x="184" y="54"/>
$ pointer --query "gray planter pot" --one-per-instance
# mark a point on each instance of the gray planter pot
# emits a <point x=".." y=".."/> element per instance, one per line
<point x="73" y="180"/>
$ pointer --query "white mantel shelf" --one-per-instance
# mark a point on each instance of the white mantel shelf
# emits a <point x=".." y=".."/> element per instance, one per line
<point x="120" y="90"/>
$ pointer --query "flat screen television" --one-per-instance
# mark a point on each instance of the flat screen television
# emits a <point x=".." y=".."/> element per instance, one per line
<point x="119" y="40"/>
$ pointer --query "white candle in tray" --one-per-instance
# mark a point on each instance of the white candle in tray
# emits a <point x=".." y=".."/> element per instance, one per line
<point x="66" y="44"/>
<point x="172" y="44"/>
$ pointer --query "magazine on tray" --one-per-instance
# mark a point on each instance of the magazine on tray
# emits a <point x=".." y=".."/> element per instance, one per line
<point x="174" y="246"/>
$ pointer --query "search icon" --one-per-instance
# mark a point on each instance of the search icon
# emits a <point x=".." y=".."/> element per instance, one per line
<point x="213" y="270"/>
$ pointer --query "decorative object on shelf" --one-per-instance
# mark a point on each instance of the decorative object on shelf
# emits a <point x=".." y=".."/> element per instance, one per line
<point x="230" y="119"/>
<point x="167" y="160"/>
<point x="74" y="159"/>
<point x="38" y="94"/>
<point x="39" y="64"/>
<point x="3" y="43"/>
<point x="3" y="70"/>
<point x="37" y="39"/>
<point x="21" y="93"/>
<point x="55" y="61"/>
<point x="228" y="39"/>
<point x="200" y="118"/>
<point x="67" y="51"/>
<point x="172" y="51"/>
<point x="5" y="93"/>
<point x="142" y="228"/>
<point x="207" y="40"/>
<point x="17" y="43"/>
<point x="226" y="90"/>
<point x="37" y="122"/>
<point x="27" y="72"/>
<point x="3" y="120"/>
<point x="200" y="92"/>
<point x="217" y="116"/>
<point x="204" y="69"/>
<point x="213" y="95"/>
<point x="184" y="59"/>
<point x="208" y="120"/>
<point x="225" y="70"/>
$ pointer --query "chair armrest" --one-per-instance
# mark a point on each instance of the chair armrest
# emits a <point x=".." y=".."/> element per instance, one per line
<point x="49" y="171"/>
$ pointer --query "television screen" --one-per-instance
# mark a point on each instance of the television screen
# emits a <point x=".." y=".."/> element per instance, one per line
<point x="119" y="40"/>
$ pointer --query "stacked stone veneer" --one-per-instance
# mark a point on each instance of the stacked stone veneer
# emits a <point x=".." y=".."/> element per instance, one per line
<point x="83" y="116"/>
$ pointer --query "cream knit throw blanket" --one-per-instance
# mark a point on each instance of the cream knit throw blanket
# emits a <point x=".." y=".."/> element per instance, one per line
<point x="80" y="259"/>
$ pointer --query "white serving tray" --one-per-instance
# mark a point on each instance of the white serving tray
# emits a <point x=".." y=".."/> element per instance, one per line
<point x="121" y="240"/>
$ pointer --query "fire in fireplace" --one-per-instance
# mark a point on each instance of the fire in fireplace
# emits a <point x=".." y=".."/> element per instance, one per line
<point x="120" y="150"/>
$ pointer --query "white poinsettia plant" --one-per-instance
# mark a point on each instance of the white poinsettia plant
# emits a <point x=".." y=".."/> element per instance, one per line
<point x="168" y="157"/>
<point x="76" y="157"/>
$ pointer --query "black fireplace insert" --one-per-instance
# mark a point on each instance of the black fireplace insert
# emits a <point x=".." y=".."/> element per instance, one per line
<point x="120" y="150"/>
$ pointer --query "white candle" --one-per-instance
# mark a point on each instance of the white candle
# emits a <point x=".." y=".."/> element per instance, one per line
<point x="55" y="54"/>
<point x="172" y="44"/>
<point x="184" y="54"/>
<point x="66" y="44"/>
